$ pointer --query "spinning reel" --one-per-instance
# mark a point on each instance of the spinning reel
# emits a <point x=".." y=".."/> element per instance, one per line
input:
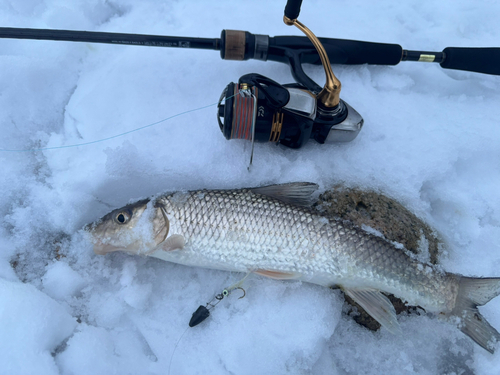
<point x="260" y="109"/>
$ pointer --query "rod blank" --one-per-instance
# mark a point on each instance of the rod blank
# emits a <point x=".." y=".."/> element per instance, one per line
<point x="110" y="38"/>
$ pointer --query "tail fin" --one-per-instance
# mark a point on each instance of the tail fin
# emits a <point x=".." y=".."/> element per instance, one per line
<point x="475" y="292"/>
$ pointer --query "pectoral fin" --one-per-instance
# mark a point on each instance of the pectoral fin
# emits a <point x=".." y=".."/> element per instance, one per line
<point x="278" y="275"/>
<point x="377" y="306"/>
<point x="174" y="242"/>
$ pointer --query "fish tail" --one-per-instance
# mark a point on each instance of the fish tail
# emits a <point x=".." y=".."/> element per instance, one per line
<point x="475" y="292"/>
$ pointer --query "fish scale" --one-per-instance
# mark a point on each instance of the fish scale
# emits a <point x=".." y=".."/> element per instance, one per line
<point x="263" y="233"/>
<point x="271" y="231"/>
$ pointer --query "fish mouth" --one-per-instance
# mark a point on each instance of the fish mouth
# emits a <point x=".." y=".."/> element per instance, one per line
<point x="104" y="248"/>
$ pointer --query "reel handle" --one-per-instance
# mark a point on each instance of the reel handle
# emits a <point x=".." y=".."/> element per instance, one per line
<point x="329" y="97"/>
<point x="292" y="9"/>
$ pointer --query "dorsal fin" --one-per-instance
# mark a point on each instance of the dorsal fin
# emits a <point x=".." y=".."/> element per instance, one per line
<point x="297" y="193"/>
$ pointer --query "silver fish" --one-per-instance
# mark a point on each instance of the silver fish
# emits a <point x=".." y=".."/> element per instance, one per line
<point x="273" y="231"/>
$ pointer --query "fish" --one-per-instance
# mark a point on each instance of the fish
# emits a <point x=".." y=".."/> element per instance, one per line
<point x="274" y="231"/>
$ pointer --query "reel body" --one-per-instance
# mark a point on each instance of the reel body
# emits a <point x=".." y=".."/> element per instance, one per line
<point x="262" y="110"/>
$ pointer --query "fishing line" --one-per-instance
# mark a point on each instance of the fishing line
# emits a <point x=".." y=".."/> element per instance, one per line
<point x="175" y="348"/>
<point x="111" y="137"/>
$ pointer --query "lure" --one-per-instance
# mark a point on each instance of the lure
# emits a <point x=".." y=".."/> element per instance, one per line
<point x="203" y="312"/>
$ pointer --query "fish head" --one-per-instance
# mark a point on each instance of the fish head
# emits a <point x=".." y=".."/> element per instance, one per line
<point x="137" y="228"/>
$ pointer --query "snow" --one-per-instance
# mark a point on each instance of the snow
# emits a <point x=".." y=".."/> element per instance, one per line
<point x="430" y="140"/>
<point x="33" y="325"/>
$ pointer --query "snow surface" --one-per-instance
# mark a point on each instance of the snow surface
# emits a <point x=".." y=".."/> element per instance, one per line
<point x="430" y="140"/>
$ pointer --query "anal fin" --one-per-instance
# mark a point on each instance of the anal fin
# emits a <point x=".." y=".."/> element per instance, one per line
<point x="278" y="275"/>
<point x="377" y="306"/>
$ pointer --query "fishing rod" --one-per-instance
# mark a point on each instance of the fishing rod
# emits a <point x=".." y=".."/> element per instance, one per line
<point x="243" y="45"/>
<point x="259" y="109"/>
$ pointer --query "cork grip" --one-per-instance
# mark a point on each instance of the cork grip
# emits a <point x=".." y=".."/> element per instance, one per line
<point x="234" y="45"/>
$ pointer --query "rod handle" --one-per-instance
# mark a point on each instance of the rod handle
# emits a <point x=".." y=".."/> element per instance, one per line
<point x="342" y="51"/>
<point x="292" y="9"/>
<point x="479" y="60"/>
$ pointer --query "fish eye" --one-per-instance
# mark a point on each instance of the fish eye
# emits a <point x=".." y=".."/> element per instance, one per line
<point x="122" y="217"/>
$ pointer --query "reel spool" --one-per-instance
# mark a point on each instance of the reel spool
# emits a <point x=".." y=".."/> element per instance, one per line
<point x="260" y="109"/>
